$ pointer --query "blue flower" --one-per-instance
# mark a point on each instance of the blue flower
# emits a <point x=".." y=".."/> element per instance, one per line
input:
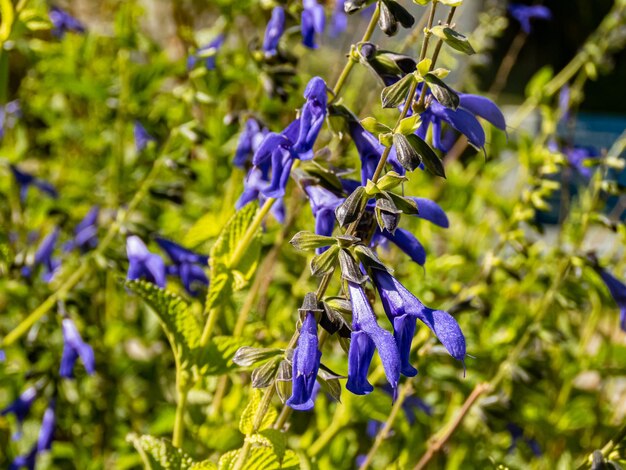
<point x="273" y="32"/>
<point x="323" y="204"/>
<point x="8" y="115"/>
<point x="73" y="348"/>
<point x="142" y="137"/>
<point x="206" y="52"/>
<point x="463" y="119"/>
<point x="255" y="183"/>
<point x="188" y="265"/>
<point x="249" y="141"/>
<point x="20" y="408"/>
<point x="338" y="20"/>
<point x="43" y="257"/>
<point x="576" y="156"/>
<point x="295" y="141"/>
<point x="367" y="336"/>
<point x="524" y="13"/>
<point x="63" y="22"/>
<point x="313" y="21"/>
<point x="85" y="233"/>
<point x="517" y="433"/>
<point x="403" y="309"/>
<point x="143" y="263"/>
<point x="26" y="180"/>
<point x="44" y="441"/>
<point x="404" y="240"/>
<point x="618" y="292"/>
<point x="306" y="363"/>
<point x="370" y="151"/>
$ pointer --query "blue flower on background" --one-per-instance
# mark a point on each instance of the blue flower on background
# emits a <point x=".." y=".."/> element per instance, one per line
<point x="576" y="156"/>
<point x="207" y="52"/>
<point x="43" y="257"/>
<point x="26" y="180"/>
<point x="411" y="404"/>
<point x="523" y="14"/>
<point x="188" y="265"/>
<point x="338" y="20"/>
<point x="20" y="408"/>
<point x="73" y="348"/>
<point x="8" y="115"/>
<point x="85" y="233"/>
<point x="306" y="363"/>
<point x="313" y="20"/>
<point x="44" y="440"/>
<point x="403" y="309"/>
<point x="63" y="22"/>
<point x="249" y="142"/>
<point x="463" y="119"/>
<point x="618" y="292"/>
<point x="517" y="433"/>
<point x="255" y="183"/>
<point x="273" y="32"/>
<point x="143" y="263"/>
<point x="295" y="141"/>
<point x="323" y="204"/>
<point x="370" y="151"/>
<point x="367" y="336"/>
<point x="142" y="137"/>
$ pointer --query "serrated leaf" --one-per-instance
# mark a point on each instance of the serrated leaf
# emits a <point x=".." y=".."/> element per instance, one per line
<point x="178" y="322"/>
<point x="216" y="357"/>
<point x="226" y="245"/>
<point x="394" y="95"/>
<point x="160" y="454"/>
<point x="246" y="422"/>
<point x="444" y="94"/>
<point x="271" y="438"/>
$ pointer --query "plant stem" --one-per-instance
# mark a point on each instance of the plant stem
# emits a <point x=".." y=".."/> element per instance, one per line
<point x="182" y="389"/>
<point x="507" y="63"/>
<point x="404" y="391"/>
<point x="436" y="446"/>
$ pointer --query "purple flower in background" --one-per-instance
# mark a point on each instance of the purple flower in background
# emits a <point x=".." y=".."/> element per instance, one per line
<point x="403" y="309"/>
<point x="44" y="441"/>
<point x="524" y="13"/>
<point x="8" y="115"/>
<point x="142" y="137"/>
<point x="255" y="183"/>
<point x="312" y="22"/>
<point x="20" y="408"/>
<point x="463" y="119"/>
<point x="43" y="257"/>
<point x="26" y="180"/>
<point x="577" y="155"/>
<point x="306" y="363"/>
<point x="85" y="233"/>
<point x="73" y="348"/>
<point x="338" y="20"/>
<point x="274" y="31"/>
<point x="323" y="204"/>
<point x="517" y="433"/>
<point x="295" y="142"/>
<point x="411" y="404"/>
<point x="367" y="336"/>
<point x="249" y="142"/>
<point x="188" y="265"/>
<point x="618" y="292"/>
<point x="143" y="263"/>
<point x="206" y="52"/>
<point x="63" y="22"/>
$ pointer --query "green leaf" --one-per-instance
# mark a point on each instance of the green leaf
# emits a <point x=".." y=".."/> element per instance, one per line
<point x="429" y="157"/>
<point x="216" y="358"/>
<point x="423" y="67"/>
<point x="324" y="263"/>
<point x="390" y="180"/>
<point x="408" y="157"/>
<point x="409" y="125"/>
<point x="451" y="3"/>
<point x="394" y="95"/>
<point x="181" y="326"/>
<point x="246" y="421"/>
<point x="310" y="241"/>
<point x="444" y="94"/>
<point x="227" y="243"/>
<point x="160" y="454"/>
<point x="453" y="39"/>
<point x="373" y="126"/>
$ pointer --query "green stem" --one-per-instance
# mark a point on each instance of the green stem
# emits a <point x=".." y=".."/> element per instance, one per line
<point x="404" y="391"/>
<point x="182" y="389"/>
<point x="324" y="439"/>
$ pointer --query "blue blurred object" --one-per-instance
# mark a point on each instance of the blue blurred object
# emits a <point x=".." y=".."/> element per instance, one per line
<point x="588" y="131"/>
